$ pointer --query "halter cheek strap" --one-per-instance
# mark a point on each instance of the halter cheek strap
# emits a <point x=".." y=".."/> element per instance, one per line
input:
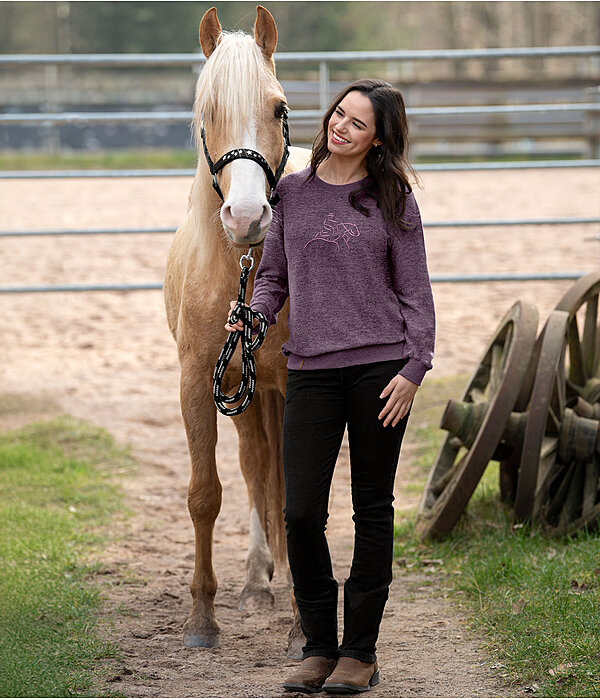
<point x="249" y="154"/>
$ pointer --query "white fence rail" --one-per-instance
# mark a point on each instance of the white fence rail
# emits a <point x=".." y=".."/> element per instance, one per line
<point x="588" y="112"/>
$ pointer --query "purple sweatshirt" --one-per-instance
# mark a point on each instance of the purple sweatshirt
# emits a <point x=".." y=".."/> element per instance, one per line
<point x="358" y="292"/>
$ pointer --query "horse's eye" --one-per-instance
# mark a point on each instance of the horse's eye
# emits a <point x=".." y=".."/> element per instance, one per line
<point x="280" y="110"/>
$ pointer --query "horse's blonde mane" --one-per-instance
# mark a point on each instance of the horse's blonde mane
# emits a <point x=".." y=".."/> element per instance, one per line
<point x="220" y="98"/>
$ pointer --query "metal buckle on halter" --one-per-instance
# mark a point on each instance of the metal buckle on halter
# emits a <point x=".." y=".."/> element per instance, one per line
<point x="249" y="257"/>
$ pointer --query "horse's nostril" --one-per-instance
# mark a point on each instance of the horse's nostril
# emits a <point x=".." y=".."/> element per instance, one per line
<point x="228" y="218"/>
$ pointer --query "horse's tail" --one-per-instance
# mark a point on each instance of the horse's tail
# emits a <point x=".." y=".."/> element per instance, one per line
<point x="272" y="411"/>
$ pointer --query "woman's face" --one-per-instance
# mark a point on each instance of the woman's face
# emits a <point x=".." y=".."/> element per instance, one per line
<point x="351" y="130"/>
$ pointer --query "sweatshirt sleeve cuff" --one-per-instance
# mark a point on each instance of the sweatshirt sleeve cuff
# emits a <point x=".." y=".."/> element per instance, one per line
<point x="263" y="309"/>
<point x="414" y="371"/>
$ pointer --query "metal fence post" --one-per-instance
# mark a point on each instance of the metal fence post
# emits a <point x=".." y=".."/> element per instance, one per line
<point x="593" y="123"/>
<point x="52" y="133"/>
<point x="323" y="86"/>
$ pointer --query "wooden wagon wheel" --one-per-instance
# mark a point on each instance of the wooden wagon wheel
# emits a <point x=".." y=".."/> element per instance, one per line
<point x="558" y="484"/>
<point x="582" y="377"/>
<point x="538" y="451"/>
<point x="570" y="498"/>
<point x="567" y="494"/>
<point x="581" y="303"/>
<point x="477" y="421"/>
<point x="560" y="464"/>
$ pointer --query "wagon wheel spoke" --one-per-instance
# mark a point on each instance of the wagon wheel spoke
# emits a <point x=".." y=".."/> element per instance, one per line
<point x="547" y="458"/>
<point x="559" y="395"/>
<point x="590" y="490"/>
<point x="478" y="396"/>
<point x="441" y="484"/>
<point x="596" y="366"/>
<point x="584" y="291"/>
<point x="571" y="508"/>
<point x="590" y="336"/>
<point x="496" y="366"/>
<point x="554" y="417"/>
<point x="577" y="372"/>
<point x="556" y="502"/>
<point x="547" y="470"/>
<point x="588" y="514"/>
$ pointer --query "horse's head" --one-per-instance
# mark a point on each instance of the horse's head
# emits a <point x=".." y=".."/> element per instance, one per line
<point x="242" y="106"/>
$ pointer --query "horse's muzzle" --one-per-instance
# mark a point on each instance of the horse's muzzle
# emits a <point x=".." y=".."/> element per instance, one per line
<point x="255" y="235"/>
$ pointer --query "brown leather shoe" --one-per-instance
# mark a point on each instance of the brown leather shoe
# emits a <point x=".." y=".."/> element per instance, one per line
<point x="352" y="676"/>
<point x="311" y="674"/>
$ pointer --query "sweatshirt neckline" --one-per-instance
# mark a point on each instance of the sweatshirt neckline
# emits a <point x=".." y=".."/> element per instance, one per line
<point x="347" y="184"/>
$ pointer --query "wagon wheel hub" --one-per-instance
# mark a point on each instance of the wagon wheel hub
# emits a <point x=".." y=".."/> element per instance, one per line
<point x="463" y="421"/>
<point x="579" y="438"/>
<point x="591" y="390"/>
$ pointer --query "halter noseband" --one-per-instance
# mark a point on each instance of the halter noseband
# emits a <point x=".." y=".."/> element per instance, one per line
<point x="249" y="154"/>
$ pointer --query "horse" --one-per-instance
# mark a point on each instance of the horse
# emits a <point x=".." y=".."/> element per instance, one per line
<point x="239" y="103"/>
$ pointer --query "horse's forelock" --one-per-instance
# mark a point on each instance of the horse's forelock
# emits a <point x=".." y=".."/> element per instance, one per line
<point x="232" y="86"/>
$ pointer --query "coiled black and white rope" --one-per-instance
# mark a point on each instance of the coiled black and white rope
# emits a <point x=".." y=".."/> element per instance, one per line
<point x="248" y="382"/>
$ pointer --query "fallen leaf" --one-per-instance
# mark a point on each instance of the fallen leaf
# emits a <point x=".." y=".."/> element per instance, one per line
<point x="578" y="587"/>
<point x="561" y="669"/>
<point x="518" y="607"/>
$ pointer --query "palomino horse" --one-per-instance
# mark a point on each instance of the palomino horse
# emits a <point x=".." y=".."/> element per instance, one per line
<point x="242" y="105"/>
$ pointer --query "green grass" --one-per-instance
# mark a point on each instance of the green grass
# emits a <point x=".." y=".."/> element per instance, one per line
<point x="108" y="160"/>
<point x="535" y="598"/>
<point x="165" y="158"/>
<point x="57" y="503"/>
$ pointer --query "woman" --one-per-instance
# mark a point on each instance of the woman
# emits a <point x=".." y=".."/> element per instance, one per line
<point x="346" y="245"/>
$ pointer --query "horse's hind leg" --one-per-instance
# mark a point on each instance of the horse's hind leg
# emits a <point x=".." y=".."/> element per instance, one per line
<point x="204" y="502"/>
<point x="260" y="463"/>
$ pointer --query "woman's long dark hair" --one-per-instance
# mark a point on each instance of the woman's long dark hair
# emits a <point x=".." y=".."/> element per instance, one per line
<point x="387" y="165"/>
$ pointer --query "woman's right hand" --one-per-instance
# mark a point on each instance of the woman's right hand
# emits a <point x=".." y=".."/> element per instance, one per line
<point x="239" y="325"/>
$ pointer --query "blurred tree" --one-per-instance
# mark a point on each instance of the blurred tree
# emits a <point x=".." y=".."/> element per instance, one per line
<point x="49" y="27"/>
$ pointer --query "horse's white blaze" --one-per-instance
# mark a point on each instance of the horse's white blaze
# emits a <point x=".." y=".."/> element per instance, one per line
<point x="258" y="539"/>
<point x="246" y="212"/>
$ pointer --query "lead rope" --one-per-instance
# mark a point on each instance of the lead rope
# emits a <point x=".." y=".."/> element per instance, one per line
<point x="248" y="381"/>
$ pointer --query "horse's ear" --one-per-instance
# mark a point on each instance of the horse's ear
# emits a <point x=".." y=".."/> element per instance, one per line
<point x="210" y="32"/>
<point x="265" y="31"/>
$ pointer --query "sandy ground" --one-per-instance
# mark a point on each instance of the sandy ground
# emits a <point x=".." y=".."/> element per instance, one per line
<point x="109" y="358"/>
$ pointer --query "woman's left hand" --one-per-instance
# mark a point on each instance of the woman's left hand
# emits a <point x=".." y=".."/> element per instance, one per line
<point x="401" y="392"/>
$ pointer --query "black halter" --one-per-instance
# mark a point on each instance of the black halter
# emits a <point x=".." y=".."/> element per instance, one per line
<point x="249" y="154"/>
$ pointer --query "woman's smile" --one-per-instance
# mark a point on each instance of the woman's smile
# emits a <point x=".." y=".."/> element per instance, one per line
<point x="337" y="138"/>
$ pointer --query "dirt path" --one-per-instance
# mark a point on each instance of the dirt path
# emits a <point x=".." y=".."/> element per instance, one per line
<point x="109" y="358"/>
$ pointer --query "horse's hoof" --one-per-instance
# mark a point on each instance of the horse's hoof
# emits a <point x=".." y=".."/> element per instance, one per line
<point x="207" y="641"/>
<point x="295" y="644"/>
<point x="252" y="599"/>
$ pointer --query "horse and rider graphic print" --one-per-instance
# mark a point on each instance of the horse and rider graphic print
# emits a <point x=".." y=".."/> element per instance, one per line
<point x="333" y="230"/>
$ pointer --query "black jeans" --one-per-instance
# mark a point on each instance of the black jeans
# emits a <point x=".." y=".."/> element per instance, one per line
<point x="318" y="406"/>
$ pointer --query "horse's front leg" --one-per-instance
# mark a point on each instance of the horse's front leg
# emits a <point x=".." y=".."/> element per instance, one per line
<point x="260" y="464"/>
<point x="204" y="502"/>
